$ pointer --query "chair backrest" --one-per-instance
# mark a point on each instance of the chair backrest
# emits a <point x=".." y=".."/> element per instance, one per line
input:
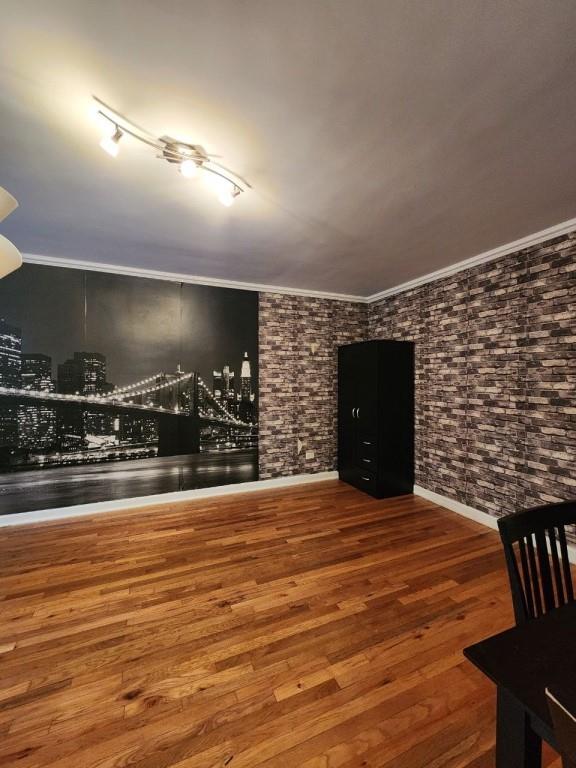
<point x="564" y="723"/>
<point x="537" y="558"/>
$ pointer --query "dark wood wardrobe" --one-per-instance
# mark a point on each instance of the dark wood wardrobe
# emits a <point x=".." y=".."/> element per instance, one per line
<point x="376" y="416"/>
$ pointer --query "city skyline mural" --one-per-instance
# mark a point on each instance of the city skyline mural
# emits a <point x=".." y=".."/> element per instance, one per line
<point x="114" y="387"/>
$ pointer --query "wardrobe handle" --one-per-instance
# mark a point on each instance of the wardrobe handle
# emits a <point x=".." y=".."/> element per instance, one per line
<point x="353" y="409"/>
<point x="364" y="477"/>
<point x="357" y="413"/>
<point x="368" y="461"/>
<point x="366" y="442"/>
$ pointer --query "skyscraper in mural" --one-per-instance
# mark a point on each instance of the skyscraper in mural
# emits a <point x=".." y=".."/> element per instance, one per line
<point x="217" y="385"/>
<point x="83" y="374"/>
<point x="37" y="422"/>
<point x="10" y="354"/>
<point x="229" y="388"/>
<point x="10" y="376"/>
<point x="246" y="406"/>
<point x="36" y="372"/>
<point x="245" y="380"/>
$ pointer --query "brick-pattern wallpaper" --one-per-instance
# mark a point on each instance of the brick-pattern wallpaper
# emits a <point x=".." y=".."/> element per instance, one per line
<point x="496" y="368"/>
<point x="495" y="375"/>
<point x="298" y="383"/>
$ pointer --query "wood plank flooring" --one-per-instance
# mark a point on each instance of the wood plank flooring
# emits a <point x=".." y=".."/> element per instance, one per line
<point x="311" y="627"/>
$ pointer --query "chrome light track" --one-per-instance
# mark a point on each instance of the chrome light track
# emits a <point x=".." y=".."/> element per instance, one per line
<point x="191" y="159"/>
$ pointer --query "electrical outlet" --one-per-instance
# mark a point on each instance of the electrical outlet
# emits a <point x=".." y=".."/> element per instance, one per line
<point x="310" y="454"/>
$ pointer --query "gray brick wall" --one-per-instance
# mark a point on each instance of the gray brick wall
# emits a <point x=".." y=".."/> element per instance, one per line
<point x="495" y="374"/>
<point x="496" y="367"/>
<point x="298" y="386"/>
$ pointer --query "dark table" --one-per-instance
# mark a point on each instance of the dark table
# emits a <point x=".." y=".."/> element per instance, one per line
<point x="523" y="662"/>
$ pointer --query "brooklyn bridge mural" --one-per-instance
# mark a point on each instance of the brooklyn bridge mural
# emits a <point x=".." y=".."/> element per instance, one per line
<point x="114" y="387"/>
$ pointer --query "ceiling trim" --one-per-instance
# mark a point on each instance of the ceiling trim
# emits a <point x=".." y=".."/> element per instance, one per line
<point x="482" y="258"/>
<point x="176" y="277"/>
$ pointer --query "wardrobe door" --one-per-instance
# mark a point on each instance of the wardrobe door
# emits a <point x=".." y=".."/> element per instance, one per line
<point x="397" y="419"/>
<point x="347" y="422"/>
<point x="367" y="389"/>
<point x="366" y="457"/>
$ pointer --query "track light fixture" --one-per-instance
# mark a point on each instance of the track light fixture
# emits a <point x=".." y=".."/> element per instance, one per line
<point x="191" y="159"/>
<point x="189" y="169"/>
<point x="110" y="143"/>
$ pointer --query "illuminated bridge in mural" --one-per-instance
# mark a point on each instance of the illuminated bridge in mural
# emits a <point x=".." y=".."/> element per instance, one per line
<point x="181" y="405"/>
<point x="139" y="397"/>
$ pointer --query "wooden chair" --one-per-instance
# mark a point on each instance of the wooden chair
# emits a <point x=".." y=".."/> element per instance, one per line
<point x="564" y="723"/>
<point x="537" y="558"/>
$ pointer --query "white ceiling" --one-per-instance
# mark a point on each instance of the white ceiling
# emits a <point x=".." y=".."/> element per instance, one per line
<point x="384" y="139"/>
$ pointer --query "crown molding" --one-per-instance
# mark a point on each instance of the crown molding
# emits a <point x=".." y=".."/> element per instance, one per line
<point x="482" y="258"/>
<point x="176" y="277"/>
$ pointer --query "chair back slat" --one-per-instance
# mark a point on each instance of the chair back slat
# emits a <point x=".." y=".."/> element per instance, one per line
<point x="558" y="578"/>
<point x="546" y="581"/>
<point x="526" y="584"/>
<point x="534" y="576"/>
<point x="566" y="567"/>
<point x="537" y="559"/>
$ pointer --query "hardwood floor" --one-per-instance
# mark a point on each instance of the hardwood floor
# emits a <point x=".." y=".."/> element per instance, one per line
<point x="312" y="627"/>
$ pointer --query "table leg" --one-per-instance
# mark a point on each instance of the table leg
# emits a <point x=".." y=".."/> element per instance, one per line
<point x="517" y="746"/>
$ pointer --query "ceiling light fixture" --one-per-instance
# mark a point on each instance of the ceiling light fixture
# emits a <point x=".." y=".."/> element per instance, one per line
<point x="227" y="194"/>
<point x="189" y="169"/>
<point x="192" y="160"/>
<point x="110" y="143"/>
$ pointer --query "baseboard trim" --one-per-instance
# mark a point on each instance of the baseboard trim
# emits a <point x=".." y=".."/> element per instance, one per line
<point x="82" y="510"/>
<point x="456" y="506"/>
<point x="470" y="512"/>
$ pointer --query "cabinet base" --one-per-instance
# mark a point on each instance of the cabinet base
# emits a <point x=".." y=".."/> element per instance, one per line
<point x="378" y="490"/>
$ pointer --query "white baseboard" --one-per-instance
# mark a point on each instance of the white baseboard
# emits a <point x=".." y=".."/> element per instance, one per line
<point x="456" y="506"/>
<point x="472" y="514"/>
<point x="80" y="510"/>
